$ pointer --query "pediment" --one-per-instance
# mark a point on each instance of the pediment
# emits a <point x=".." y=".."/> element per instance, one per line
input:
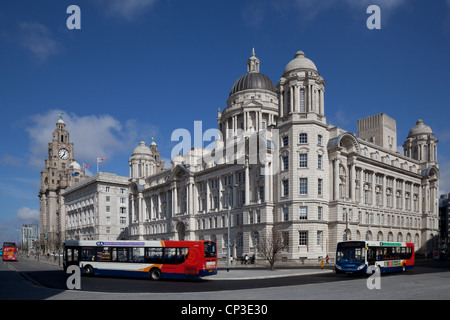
<point x="252" y="104"/>
<point x="179" y="173"/>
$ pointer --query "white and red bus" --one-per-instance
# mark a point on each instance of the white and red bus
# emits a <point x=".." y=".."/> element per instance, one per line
<point x="149" y="259"/>
<point x="356" y="256"/>
<point x="9" y="251"/>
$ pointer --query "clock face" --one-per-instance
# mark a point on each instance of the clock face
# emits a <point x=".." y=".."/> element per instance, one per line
<point x="63" y="154"/>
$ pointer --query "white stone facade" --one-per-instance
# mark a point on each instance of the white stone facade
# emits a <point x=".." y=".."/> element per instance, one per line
<point x="326" y="184"/>
<point x="97" y="208"/>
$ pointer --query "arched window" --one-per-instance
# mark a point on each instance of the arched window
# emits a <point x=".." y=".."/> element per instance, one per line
<point x="380" y="236"/>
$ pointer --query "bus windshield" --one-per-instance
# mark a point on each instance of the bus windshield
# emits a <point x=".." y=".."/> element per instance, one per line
<point x="210" y="250"/>
<point x="350" y="253"/>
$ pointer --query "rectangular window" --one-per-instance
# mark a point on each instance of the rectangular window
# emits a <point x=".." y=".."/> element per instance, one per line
<point x="286" y="214"/>
<point x="303" y="138"/>
<point x="303" y="189"/>
<point x="103" y="254"/>
<point x="303" y="238"/>
<point x="153" y="255"/>
<point x="303" y="212"/>
<point x="319" y="161"/>
<point x="285" y="188"/>
<point x="303" y="160"/>
<point x="285" y="163"/>
<point x="285" y="141"/>
<point x="302" y="101"/>
<point x="319" y="187"/>
<point x="120" y="254"/>
<point x="319" y="213"/>
<point x="137" y="255"/>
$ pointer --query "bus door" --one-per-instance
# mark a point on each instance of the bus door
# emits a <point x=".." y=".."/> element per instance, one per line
<point x="210" y="255"/>
<point x="71" y="256"/>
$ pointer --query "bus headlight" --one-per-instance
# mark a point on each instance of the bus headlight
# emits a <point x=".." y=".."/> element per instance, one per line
<point x="361" y="267"/>
<point x="338" y="267"/>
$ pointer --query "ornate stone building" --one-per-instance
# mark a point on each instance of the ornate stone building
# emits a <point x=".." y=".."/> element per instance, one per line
<point x="97" y="208"/>
<point x="316" y="183"/>
<point x="61" y="171"/>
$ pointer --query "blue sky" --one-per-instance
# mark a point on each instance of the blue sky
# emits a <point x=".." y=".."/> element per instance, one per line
<point x="142" y="68"/>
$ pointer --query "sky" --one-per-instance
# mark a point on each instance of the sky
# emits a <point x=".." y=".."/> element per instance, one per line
<point x="139" y="69"/>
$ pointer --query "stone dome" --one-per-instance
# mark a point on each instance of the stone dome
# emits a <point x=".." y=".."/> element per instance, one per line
<point x="253" y="79"/>
<point x="420" y="128"/>
<point x="142" y="149"/>
<point x="300" y="62"/>
<point x="75" y="165"/>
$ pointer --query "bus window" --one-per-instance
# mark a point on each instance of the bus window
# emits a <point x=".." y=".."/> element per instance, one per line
<point x="69" y="255"/>
<point x="371" y="255"/>
<point x="137" y="255"/>
<point x="182" y="255"/>
<point x="170" y="255"/>
<point x="103" y="254"/>
<point x="88" y="253"/>
<point x="210" y="250"/>
<point x="153" y="255"/>
<point x="120" y="254"/>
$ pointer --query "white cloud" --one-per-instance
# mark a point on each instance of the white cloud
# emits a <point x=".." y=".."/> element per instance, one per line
<point x="26" y="213"/>
<point x="38" y="40"/>
<point x="309" y="9"/>
<point x="127" y="9"/>
<point x="93" y="135"/>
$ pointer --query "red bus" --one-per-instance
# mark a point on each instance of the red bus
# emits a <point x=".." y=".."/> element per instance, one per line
<point x="9" y="251"/>
<point x="149" y="259"/>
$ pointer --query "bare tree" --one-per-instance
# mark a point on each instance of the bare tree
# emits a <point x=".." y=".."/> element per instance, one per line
<point x="270" y="246"/>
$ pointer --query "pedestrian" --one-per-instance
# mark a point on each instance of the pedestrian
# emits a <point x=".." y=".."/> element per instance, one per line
<point x="326" y="259"/>
<point x="246" y="259"/>
<point x="231" y="260"/>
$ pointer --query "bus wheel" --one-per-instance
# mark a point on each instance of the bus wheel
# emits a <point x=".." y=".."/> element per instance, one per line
<point x="88" y="271"/>
<point x="155" y="274"/>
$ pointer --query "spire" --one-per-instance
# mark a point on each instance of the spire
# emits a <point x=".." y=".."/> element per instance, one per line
<point x="253" y="63"/>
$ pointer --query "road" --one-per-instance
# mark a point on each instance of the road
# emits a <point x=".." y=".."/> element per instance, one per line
<point x="30" y="280"/>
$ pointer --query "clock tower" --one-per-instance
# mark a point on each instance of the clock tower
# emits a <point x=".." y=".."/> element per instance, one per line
<point x="61" y="171"/>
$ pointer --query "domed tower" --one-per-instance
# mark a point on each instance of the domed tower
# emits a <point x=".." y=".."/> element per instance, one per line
<point x="303" y="181"/>
<point x="145" y="161"/>
<point x="301" y="90"/>
<point x="421" y="144"/>
<point x="252" y="104"/>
